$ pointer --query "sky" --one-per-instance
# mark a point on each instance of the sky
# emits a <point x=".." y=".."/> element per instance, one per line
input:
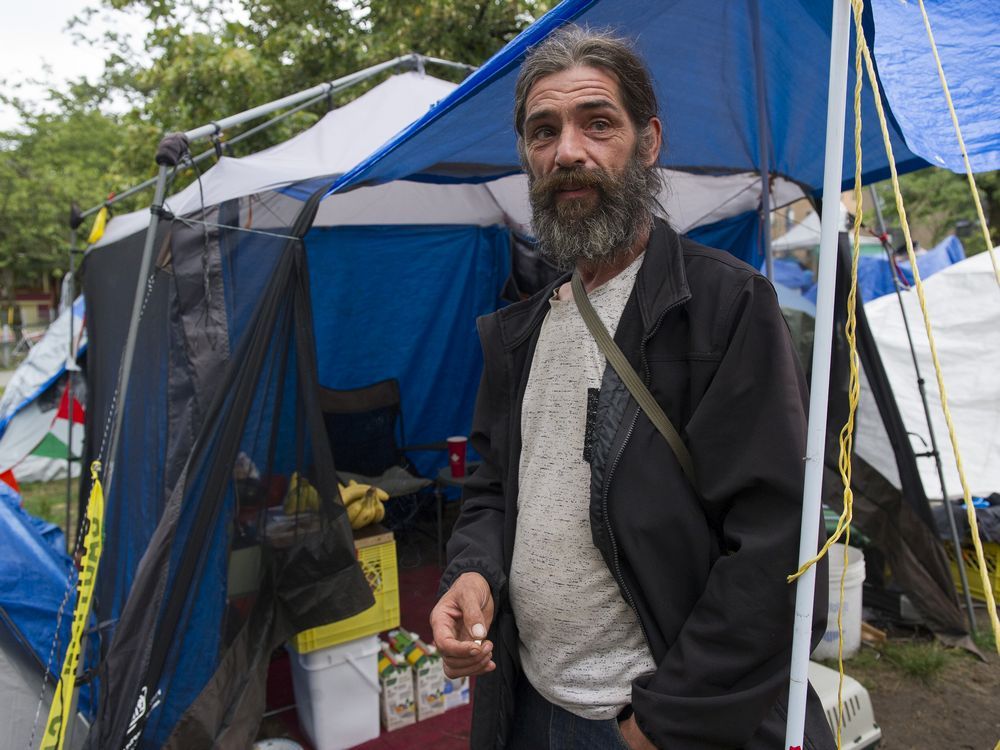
<point x="33" y="35"/>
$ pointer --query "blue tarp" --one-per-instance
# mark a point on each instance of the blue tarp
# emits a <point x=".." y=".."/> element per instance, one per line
<point x="740" y="235"/>
<point x="875" y="276"/>
<point x="967" y="35"/>
<point x="35" y="572"/>
<point x="704" y="57"/>
<point x="791" y="274"/>
<point x="401" y="302"/>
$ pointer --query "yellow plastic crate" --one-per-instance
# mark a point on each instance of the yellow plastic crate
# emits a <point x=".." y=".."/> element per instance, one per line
<point x="376" y="550"/>
<point x="991" y="553"/>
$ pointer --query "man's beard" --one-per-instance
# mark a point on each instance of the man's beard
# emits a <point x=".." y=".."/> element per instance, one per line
<point x="602" y="226"/>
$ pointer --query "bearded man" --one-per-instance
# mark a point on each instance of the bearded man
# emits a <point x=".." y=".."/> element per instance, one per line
<point x="603" y="598"/>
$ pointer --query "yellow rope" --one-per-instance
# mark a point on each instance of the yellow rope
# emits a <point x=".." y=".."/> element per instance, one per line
<point x="846" y="435"/>
<point x="846" y="438"/>
<point x="854" y="385"/>
<point x="961" y="144"/>
<point x="970" y="511"/>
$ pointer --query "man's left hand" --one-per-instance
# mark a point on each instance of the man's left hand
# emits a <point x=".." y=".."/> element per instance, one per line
<point x="634" y="736"/>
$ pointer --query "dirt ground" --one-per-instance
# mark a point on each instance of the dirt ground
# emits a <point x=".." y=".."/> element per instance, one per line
<point x="955" y="708"/>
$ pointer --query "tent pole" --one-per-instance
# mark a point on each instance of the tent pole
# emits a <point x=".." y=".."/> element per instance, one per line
<point x="764" y="144"/>
<point x="70" y="360"/>
<point x="123" y="377"/>
<point x="211" y="152"/>
<point x="133" y="329"/>
<point x="840" y="34"/>
<point x="303" y="98"/>
<point x="450" y="64"/>
<point x="205" y="131"/>
<point x="921" y="386"/>
<point x="765" y="222"/>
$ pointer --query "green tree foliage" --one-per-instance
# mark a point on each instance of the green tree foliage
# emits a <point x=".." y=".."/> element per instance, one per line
<point x="938" y="201"/>
<point x="206" y="65"/>
<point x="54" y="160"/>
<point x="200" y="61"/>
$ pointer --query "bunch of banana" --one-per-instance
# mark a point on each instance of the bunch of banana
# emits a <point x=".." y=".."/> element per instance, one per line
<point x="352" y="492"/>
<point x="301" y="497"/>
<point x="363" y="503"/>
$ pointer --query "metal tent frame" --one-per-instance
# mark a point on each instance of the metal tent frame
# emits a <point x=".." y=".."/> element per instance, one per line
<point x="166" y="162"/>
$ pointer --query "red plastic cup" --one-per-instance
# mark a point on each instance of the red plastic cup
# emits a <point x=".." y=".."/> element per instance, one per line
<point x="456" y="455"/>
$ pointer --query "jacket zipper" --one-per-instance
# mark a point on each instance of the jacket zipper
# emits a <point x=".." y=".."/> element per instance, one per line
<point x="617" y="572"/>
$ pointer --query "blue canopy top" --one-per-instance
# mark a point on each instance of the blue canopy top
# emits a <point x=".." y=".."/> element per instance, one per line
<point x="712" y="62"/>
<point x="965" y="33"/>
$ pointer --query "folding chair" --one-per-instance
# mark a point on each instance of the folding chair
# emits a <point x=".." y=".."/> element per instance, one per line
<point x="365" y="427"/>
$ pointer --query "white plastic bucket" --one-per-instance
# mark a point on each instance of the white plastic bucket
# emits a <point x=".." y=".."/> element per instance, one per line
<point x="336" y="693"/>
<point x="851" y="615"/>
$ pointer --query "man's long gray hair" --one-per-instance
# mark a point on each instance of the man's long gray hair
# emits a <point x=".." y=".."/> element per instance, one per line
<point x="573" y="46"/>
<point x="629" y="200"/>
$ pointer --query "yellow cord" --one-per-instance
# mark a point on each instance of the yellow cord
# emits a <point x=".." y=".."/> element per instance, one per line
<point x="961" y="144"/>
<point x="846" y="438"/>
<point x="970" y="511"/>
<point x="844" y="522"/>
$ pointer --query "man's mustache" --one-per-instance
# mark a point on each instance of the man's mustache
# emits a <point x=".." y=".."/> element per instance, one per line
<point x="545" y="187"/>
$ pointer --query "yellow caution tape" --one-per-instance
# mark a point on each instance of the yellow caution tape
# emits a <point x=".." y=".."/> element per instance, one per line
<point x="59" y="713"/>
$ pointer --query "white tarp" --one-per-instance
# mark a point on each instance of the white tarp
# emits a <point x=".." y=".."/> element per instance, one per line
<point x="345" y="136"/>
<point x="341" y="139"/>
<point x="23" y="421"/>
<point x="805" y="234"/>
<point x="45" y="362"/>
<point x="964" y="305"/>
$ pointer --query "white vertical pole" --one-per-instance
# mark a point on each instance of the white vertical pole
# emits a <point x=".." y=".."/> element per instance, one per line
<point x="819" y="388"/>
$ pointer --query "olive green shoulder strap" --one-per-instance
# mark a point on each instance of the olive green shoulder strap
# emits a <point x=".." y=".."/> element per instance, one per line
<point x="631" y="379"/>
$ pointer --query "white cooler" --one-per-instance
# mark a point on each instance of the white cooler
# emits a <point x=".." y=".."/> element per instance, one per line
<point x="336" y="693"/>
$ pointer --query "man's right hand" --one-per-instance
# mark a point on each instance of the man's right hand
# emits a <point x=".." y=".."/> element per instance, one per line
<point x="461" y="618"/>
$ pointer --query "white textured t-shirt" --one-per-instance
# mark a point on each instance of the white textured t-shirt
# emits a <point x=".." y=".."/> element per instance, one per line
<point x="581" y="643"/>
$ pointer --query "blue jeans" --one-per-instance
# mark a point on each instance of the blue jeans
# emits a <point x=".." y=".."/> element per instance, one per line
<point x="540" y="725"/>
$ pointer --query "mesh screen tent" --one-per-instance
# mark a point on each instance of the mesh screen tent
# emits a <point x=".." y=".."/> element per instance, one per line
<point x="225" y="533"/>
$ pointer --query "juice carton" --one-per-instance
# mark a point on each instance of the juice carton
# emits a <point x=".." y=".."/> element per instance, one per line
<point x="428" y="671"/>
<point x="455" y="692"/>
<point x="396" y="696"/>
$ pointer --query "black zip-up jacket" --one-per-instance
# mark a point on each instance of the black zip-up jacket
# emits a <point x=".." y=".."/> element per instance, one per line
<point x="705" y="570"/>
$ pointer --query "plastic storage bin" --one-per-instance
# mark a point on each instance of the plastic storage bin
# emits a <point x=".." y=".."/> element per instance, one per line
<point x="376" y="552"/>
<point x="991" y="552"/>
<point x="337" y="692"/>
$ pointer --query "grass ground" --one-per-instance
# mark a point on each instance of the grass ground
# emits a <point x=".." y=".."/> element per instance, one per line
<point x="926" y="696"/>
<point x="47" y="500"/>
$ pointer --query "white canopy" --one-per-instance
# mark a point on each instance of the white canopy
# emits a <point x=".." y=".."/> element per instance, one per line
<point x="964" y="305"/>
<point x="345" y="136"/>
<point x="805" y="234"/>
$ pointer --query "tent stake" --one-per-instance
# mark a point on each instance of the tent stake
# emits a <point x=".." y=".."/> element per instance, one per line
<point x="840" y="34"/>
<point x="921" y="387"/>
